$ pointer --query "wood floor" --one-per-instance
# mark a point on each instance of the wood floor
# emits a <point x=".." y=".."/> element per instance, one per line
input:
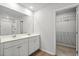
<point x="40" y="53"/>
<point x="61" y="51"/>
<point x="65" y="51"/>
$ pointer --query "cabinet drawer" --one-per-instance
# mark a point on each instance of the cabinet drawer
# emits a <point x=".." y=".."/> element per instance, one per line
<point x="17" y="50"/>
<point x="13" y="43"/>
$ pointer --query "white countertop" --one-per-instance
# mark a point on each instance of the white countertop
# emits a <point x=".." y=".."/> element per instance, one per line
<point x="18" y="36"/>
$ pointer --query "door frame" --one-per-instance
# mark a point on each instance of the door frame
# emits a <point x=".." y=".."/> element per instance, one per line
<point x="68" y="7"/>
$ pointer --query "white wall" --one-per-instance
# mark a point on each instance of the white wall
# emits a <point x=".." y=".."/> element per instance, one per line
<point x="28" y="24"/>
<point x="44" y="24"/>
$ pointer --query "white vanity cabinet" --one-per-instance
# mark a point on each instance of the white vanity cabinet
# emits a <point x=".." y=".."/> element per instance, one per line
<point x="24" y="46"/>
<point x="33" y="44"/>
<point x="16" y="48"/>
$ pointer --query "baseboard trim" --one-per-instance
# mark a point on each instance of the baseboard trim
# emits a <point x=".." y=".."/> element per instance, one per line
<point x="71" y="46"/>
<point x="48" y="52"/>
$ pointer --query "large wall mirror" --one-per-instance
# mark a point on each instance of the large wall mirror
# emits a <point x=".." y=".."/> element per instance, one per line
<point x="11" y="25"/>
<point x="14" y="22"/>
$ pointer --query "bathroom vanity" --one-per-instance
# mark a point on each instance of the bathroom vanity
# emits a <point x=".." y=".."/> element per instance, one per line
<point x="20" y="45"/>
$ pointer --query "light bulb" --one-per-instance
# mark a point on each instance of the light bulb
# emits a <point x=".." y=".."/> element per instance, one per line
<point x="32" y="7"/>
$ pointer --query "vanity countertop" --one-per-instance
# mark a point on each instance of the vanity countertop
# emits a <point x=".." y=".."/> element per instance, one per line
<point x="18" y="36"/>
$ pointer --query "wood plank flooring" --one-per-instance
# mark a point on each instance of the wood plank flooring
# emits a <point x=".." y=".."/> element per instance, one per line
<point x="65" y="51"/>
<point x="61" y="51"/>
<point x="40" y="53"/>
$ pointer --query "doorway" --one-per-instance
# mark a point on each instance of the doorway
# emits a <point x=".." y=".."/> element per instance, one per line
<point x="66" y="32"/>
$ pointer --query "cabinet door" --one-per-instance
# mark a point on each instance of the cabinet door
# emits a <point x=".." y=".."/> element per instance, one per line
<point x="11" y="51"/>
<point x="1" y="49"/>
<point x="31" y="46"/>
<point x="37" y="45"/>
<point x="77" y="31"/>
<point x="23" y="49"/>
<point x="20" y="49"/>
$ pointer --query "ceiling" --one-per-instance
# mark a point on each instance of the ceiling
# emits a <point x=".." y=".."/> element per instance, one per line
<point x="38" y="6"/>
<point x="10" y="12"/>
